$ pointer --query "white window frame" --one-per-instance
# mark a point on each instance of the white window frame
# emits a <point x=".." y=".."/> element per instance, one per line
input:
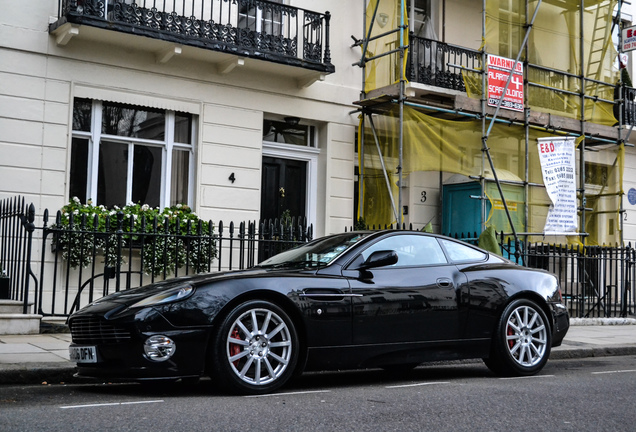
<point x="167" y="145"/>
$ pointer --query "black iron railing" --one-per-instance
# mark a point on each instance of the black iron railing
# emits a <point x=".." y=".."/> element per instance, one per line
<point x="251" y="28"/>
<point x="16" y="231"/>
<point x="629" y="106"/>
<point x="82" y="260"/>
<point x="440" y="64"/>
<point x="596" y="281"/>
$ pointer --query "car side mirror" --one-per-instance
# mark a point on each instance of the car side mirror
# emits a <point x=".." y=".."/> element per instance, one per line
<point x="380" y="259"/>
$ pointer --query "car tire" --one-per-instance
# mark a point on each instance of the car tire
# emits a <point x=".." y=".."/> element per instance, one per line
<point x="255" y="349"/>
<point x="522" y="340"/>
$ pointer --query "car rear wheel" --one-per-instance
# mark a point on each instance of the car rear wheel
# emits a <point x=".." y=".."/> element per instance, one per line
<point x="521" y="344"/>
<point x="255" y="349"/>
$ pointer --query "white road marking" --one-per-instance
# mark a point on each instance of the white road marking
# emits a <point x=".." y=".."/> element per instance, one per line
<point x="417" y="385"/>
<point x="615" y="371"/>
<point x="111" y="404"/>
<point x="526" y="377"/>
<point x="288" y="393"/>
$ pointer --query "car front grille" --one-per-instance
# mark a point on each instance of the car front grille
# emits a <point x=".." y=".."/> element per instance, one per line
<point x="89" y="330"/>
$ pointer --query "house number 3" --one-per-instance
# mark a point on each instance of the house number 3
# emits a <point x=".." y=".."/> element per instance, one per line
<point x="423" y="197"/>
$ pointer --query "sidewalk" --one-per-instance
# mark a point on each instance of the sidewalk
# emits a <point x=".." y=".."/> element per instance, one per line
<point x="43" y="358"/>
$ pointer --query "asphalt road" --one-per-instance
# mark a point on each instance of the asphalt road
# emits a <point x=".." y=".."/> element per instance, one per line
<point x="591" y="394"/>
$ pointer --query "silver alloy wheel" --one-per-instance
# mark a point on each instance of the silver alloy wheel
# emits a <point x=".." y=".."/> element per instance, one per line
<point x="259" y="346"/>
<point x="526" y="336"/>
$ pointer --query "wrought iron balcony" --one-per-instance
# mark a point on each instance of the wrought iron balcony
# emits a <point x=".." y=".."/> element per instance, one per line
<point x="439" y="64"/>
<point x="256" y="29"/>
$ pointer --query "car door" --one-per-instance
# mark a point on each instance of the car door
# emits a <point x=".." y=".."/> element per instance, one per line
<point x="415" y="300"/>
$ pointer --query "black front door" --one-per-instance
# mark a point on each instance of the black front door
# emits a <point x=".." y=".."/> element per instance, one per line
<point x="284" y="187"/>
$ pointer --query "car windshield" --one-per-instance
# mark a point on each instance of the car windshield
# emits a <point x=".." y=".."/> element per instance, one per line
<point x="317" y="253"/>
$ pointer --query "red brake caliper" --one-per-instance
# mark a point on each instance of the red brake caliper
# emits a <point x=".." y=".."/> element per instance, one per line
<point x="510" y="333"/>
<point x="234" y="348"/>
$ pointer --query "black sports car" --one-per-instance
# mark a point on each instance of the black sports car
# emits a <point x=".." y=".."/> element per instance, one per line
<point x="390" y="299"/>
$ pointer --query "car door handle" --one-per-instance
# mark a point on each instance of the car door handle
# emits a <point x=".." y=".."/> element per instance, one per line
<point x="444" y="283"/>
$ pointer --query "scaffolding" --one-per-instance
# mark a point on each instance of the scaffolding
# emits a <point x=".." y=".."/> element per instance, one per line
<point x="585" y="94"/>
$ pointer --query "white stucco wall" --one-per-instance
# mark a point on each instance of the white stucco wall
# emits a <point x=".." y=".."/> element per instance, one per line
<point x="39" y="79"/>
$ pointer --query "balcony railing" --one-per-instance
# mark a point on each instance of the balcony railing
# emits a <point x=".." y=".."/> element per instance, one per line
<point x="440" y="64"/>
<point x="250" y="28"/>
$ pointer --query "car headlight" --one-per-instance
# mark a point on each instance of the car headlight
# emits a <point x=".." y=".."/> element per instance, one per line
<point x="170" y="295"/>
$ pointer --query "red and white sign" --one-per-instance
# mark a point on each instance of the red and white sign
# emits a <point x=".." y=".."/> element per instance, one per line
<point x="628" y="39"/>
<point x="499" y="69"/>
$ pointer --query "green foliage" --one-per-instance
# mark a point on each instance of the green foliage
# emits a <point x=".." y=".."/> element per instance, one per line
<point x="488" y="241"/>
<point x="625" y="78"/>
<point x="360" y="224"/>
<point x="174" y="237"/>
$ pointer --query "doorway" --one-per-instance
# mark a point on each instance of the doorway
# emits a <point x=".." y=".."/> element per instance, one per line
<point x="284" y="188"/>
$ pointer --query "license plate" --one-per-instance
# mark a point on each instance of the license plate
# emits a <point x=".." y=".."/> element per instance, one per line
<point x="83" y="354"/>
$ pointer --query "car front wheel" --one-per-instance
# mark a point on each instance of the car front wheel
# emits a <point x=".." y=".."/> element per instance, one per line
<point x="522" y="341"/>
<point x="255" y="349"/>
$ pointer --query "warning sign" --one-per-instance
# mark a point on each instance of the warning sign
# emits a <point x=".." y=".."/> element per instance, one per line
<point x="499" y="69"/>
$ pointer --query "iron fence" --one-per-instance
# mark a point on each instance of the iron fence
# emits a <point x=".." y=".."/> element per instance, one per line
<point x="596" y="281"/>
<point x="16" y="230"/>
<point x="81" y="259"/>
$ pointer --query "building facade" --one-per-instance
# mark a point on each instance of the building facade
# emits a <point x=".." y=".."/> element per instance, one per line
<point x="249" y="109"/>
<point x="239" y="109"/>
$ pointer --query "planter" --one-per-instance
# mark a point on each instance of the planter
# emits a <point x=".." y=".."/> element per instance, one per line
<point x="5" y="294"/>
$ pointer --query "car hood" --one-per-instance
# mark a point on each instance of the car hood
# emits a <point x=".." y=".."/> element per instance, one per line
<point x="135" y="295"/>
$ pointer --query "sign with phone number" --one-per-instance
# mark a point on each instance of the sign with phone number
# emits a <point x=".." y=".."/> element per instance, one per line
<point x="499" y="70"/>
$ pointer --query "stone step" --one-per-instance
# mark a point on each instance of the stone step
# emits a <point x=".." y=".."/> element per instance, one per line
<point x="12" y="306"/>
<point x="15" y="324"/>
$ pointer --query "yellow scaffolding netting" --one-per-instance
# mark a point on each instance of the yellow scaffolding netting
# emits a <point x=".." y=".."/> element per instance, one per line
<point x="449" y="147"/>
<point x="431" y="144"/>
<point x="554" y="55"/>
<point x="382" y="16"/>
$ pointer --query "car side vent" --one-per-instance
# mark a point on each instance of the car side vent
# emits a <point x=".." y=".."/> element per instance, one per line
<point x="87" y="330"/>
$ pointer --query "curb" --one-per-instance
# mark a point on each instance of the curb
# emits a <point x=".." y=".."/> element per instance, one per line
<point x="39" y="374"/>
<point x="577" y="353"/>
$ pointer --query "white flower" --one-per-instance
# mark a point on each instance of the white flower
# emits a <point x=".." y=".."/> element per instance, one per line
<point x="112" y="213"/>
<point x="75" y="212"/>
<point x="116" y="208"/>
<point x="145" y="207"/>
<point x="76" y="199"/>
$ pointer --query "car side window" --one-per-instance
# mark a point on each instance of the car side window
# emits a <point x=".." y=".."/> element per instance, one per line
<point x="412" y="250"/>
<point x="460" y="252"/>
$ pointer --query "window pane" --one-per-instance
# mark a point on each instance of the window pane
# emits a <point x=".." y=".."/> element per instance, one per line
<point x="146" y="186"/>
<point x="459" y="252"/>
<point x="131" y="121"/>
<point x="113" y="173"/>
<point x="180" y="176"/>
<point x="286" y="133"/>
<point x="82" y="115"/>
<point x="183" y="128"/>
<point x="79" y="169"/>
<point x="412" y="250"/>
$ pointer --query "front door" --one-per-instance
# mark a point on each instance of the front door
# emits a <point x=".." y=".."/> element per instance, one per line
<point x="284" y="188"/>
